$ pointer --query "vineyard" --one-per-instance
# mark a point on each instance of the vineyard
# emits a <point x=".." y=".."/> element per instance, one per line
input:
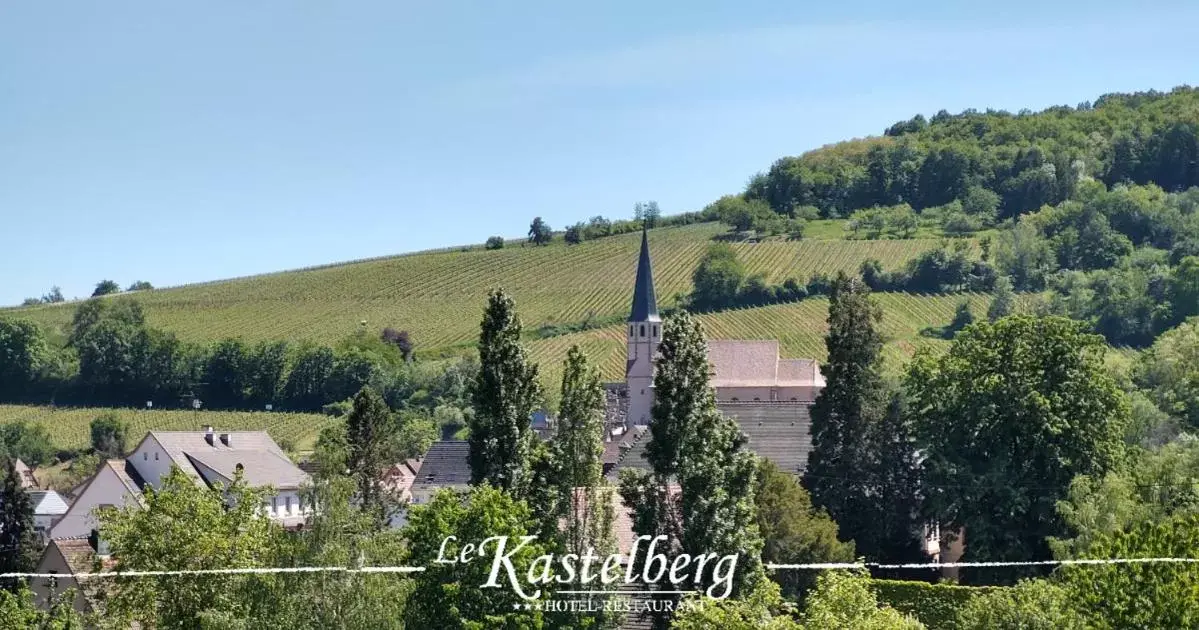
<point x="799" y="327"/>
<point x="69" y="427"/>
<point x="438" y="296"/>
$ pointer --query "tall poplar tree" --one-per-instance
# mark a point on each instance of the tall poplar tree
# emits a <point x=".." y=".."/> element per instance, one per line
<point x="701" y="488"/>
<point x="578" y="449"/>
<point x="506" y="394"/>
<point x="847" y="412"/>
<point x="370" y="450"/>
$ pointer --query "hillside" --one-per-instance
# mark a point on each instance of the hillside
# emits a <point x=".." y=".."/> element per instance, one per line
<point x="69" y="426"/>
<point x="439" y="296"/>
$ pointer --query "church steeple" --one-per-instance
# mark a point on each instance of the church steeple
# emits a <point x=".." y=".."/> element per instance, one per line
<point x="645" y="303"/>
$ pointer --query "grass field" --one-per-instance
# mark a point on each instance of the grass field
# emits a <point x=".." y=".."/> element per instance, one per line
<point x="69" y="427"/>
<point x="799" y="327"/>
<point x="438" y="296"/>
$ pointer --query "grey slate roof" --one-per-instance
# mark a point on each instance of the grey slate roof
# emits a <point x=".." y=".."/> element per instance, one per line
<point x="261" y="468"/>
<point x="47" y="503"/>
<point x="645" y="303"/>
<point x="446" y="464"/>
<point x="778" y="431"/>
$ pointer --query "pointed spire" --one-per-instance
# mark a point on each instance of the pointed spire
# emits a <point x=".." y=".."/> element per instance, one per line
<point x="645" y="303"/>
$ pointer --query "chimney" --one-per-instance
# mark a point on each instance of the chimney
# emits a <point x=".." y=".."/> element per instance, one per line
<point x="226" y="440"/>
<point x="208" y="434"/>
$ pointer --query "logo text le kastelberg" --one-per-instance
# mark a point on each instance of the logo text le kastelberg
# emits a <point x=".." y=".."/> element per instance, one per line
<point x="578" y="568"/>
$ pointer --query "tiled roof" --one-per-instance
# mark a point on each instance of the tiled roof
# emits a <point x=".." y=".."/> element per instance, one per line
<point x="128" y="475"/>
<point x="756" y="363"/>
<point x="778" y="431"/>
<point x="631" y="451"/>
<point x="261" y="468"/>
<point x="77" y="552"/>
<point x="446" y="464"/>
<point x="47" y="503"/>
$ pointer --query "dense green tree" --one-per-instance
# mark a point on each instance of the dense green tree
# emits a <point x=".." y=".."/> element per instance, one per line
<point x="1002" y="300"/>
<point x="449" y="596"/>
<point x="851" y="404"/>
<point x="762" y="608"/>
<point x="106" y="287"/>
<point x="540" y="232"/>
<point x="140" y="285"/>
<point x="1169" y="372"/>
<point x="306" y="384"/>
<point x="574" y="234"/>
<point x="505" y="396"/>
<point x="20" y="611"/>
<point x="266" y="364"/>
<point x="23" y="351"/>
<point x="793" y="531"/>
<point x="339" y="534"/>
<point x="227" y="374"/>
<point x="371" y="450"/>
<point x="845" y="600"/>
<point x="717" y="279"/>
<point x="1023" y="254"/>
<point x="1184" y="288"/>
<point x="1148" y="595"/>
<point x="109" y="435"/>
<point x="28" y="441"/>
<point x="692" y="445"/>
<point x="1029" y="605"/>
<point x="19" y="546"/>
<point x="1008" y="416"/>
<point x="54" y="296"/>
<point x="185" y="525"/>
<point x="494" y="242"/>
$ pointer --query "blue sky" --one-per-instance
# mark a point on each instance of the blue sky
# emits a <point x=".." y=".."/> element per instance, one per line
<point x="184" y="142"/>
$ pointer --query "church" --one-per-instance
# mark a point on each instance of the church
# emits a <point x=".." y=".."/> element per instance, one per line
<point x="767" y="395"/>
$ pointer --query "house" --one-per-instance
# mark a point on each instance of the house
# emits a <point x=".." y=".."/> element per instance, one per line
<point x="116" y="483"/>
<point x="446" y="465"/>
<point x="70" y="557"/>
<point x="207" y="457"/>
<point x="212" y="458"/>
<point x="25" y="474"/>
<point x="751" y="370"/>
<point x="48" y="508"/>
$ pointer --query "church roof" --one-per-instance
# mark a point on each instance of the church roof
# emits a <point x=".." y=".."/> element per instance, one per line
<point x="645" y="302"/>
<point x="756" y="363"/>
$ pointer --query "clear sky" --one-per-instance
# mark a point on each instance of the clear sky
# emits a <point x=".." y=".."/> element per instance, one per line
<point x="179" y="142"/>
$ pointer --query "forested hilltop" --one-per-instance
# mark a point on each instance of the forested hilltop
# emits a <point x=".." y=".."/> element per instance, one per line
<point x="1027" y="159"/>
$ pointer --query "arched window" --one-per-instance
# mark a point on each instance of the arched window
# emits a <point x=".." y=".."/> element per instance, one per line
<point x="655" y="330"/>
<point x="643" y="330"/>
<point x="630" y="330"/>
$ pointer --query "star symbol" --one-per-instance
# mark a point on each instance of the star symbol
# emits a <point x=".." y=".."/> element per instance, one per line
<point x="515" y="606"/>
<point x="528" y="606"/>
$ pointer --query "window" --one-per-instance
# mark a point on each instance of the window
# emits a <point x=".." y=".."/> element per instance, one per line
<point x="630" y="330"/>
<point x="288" y="510"/>
<point x="734" y="399"/>
<point x="643" y="330"/>
<point x="655" y="330"/>
<point x="794" y="399"/>
<point x="756" y="399"/>
<point x="274" y="504"/>
<point x="146" y="456"/>
<point x="156" y="456"/>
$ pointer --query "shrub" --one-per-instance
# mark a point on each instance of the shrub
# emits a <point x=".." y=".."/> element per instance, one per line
<point x="935" y="605"/>
<point x="494" y="242"/>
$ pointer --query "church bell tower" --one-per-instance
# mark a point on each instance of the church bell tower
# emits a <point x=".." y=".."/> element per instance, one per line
<point x="644" y="334"/>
